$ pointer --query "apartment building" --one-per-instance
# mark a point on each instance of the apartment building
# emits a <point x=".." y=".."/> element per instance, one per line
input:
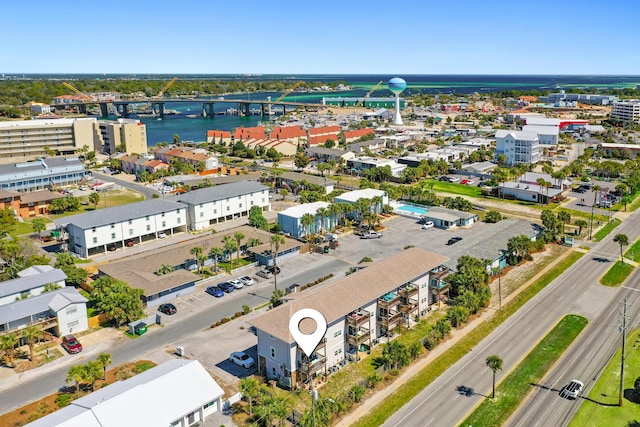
<point x="211" y="205"/>
<point x="192" y="156"/>
<point x="40" y="174"/>
<point x="626" y="111"/>
<point x="361" y="310"/>
<point x="107" y="229"/>
<point x="30" y="139"/>
<point x="129" y="134"/>
<point x="518" y="146"/>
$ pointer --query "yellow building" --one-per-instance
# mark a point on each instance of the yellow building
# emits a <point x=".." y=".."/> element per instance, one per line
<point x="112" y="134"/>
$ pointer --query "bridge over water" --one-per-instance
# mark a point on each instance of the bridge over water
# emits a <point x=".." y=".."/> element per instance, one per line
<point x="123" y="107"/>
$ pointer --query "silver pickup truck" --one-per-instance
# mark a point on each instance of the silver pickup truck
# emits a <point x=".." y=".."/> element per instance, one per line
<point x="370" y="234"/>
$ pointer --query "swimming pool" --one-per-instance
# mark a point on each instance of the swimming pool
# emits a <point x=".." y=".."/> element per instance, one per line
<point x="416" y="210"/>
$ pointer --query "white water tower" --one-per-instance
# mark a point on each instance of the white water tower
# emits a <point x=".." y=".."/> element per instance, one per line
<point x="397" y="86"/>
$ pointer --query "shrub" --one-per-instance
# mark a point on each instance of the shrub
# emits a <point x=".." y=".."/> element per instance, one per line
<point x="239" y="313"/>
<point x="246" y="309"/>
<point x="225" y="320"/>
<point x="492" y="217"/>
<point x="64" y="400"/>
<point x="373" y="380"/>
<point x="357" y="392"/>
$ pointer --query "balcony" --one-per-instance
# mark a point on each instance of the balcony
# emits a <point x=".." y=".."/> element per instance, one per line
<point x="389" y="300"/>
<point x="407" y="291"/>
<point x="357" y="318"/>
<point x="439" y="272"/>
<point x="391" y="319"/>
<point x="312" y="366"/>
<point x="360" y="336"/>
<point x="409" y="308"/>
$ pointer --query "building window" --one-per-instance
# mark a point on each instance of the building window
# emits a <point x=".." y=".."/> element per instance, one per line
<point x="273" y="353"/>
<point x="272" y="337"/>
<point x="179" y="220"/>
<point x="95" y="240"/>
<point x="130" y="222"/>
<point x="72" y="310"/>
<point x="93" y="229"/>
<point x="209" y="404"/>
<point x="201" y="214"/>
<point x="215" y="211"/>
<point x="228" y="208"/>
<point x="252" y="203"/>
<point x="423" y="300"/>
<point x="337" y="352"/>
<point x="336" y="334"/>
<point x="424" y="285"/>
<point x="162" y="215"/>
<point x="273" y="371"/>
<point x="148" y="227"/>
<point x="147" y="217"/>
<point x="164" y="224"/>
<point x="113" y="226"/>
<point x="72" y="324"/>
<point x="113" y="235"/>
<point x="131" y="232"/>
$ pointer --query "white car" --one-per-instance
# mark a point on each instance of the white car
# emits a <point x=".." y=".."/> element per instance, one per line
<point x="266" y="274"/>
<point x="248" y="281"/>
<point x="572" y="390"/>
<point x="427" y="225"/>
<point x="241" y="358"/>
<point x="162" y="235"/>
<point x="237" y="284"/>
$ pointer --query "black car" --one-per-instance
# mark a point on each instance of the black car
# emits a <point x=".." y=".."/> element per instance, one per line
<point x="274" y="270"/>
<point x="453" y="240"/>
<point x="168" y="309"/>
<point x="226" y="287"/>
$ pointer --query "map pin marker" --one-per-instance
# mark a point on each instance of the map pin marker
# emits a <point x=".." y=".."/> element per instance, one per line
<point x="308" y="342"/>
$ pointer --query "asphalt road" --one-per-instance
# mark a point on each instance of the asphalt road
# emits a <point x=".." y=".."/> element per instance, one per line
<point x="575" y="291"/>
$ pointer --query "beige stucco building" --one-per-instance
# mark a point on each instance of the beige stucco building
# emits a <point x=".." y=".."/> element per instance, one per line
<point x="111" y="134"/>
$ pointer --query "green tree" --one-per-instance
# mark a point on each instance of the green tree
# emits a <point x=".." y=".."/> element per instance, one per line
<point x="7" y="221"/>
<point x="92" y="372"/>
<point x="256" y="219"/>
<point x="356" y="392"/>
<point x="550" y="222"/>
<point x="307" y="220"/>
<point x="164" y="269"/>
<point x="197" y="251"/>
<point x="31" y="335"/>
<point x="75" y="276"/>
<point x="250" y="389"/>
<point x="492" y="217"/>
<point x="253" y="242"/>
<point x="39" y="225"/>
<point x="276" y="241"/>
<point x="105" y="360"/>
<point x="276" y="297"/>
<point x="565" y="218"/>
<point x="94" y="199"/>
<point x="395" y="355"/>
<point x="229" y="246"/>
<point x="622" y="240"/>
<point x="301" y="161"/>
<point x="117" y="299"/>
<point x="8" y="343"/>
<point x="215" y="253"/>
<point x="494" y="362"/>
<point x="519" y="247"/>
<point x="75" y="374"/>
<point x="239" y="237"/>
<point x="581" y="223"/>
<point x="457" y="315"/>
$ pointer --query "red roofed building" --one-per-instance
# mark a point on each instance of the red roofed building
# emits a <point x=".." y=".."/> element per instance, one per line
<point x="352" y="135"/>
<point x="321" y="139"/>
<point x="242" y="134"/>
<point x="289" y="133"/>
<point x="219" y="136"/>
<point x="191" y="156"/>
<point x="320" y="135"/>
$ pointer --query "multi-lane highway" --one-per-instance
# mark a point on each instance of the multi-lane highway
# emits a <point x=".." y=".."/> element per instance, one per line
<point x="576" y="291"/>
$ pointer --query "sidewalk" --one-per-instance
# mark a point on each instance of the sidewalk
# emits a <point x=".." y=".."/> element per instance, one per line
<point x="455" y="336"/>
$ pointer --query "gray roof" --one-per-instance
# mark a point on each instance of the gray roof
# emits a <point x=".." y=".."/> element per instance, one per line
<point x="122" y="213"/>
<point x="40" y="304"/>
<point x="312" y="179"/>
<point x="327" y="151"/>
<point x="38" y="165"/>
<point x="22" y="284"/>
<point x="480" y="165"/>
<point x="489" y="242"/>
<point x="219" y="192"/>
<point x="449" y="214"/>
<point x="194" y="180"/>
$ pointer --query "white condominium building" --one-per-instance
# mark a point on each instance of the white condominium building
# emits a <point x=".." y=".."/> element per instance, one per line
<point x="518" y="146"/>
<point x="626" y="111"/>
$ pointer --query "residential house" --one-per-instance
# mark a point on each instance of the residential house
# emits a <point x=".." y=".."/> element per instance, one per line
<point x="367" y="193"/>
<point x="242" y="134"/>
<point x="372" y="145"/>
<point x="290" y="218"/>
<point x="361" y="164"/>
<point x="284" y="147"/>
<point x="352" y="135"/>
<point x="359" y="309"/>
<point x="322" y="154"/>
<point x="192" y="156"/>
<point x="294" y="134"/>
<point x="480" y="168"/>
<point x="155" y="397"/>
<point x="289" y="180"/>
<point x="448" y="219"/>
<point x="530" y="192"/>
<point x="31" y="282"/>
<point x="219" y="137"/>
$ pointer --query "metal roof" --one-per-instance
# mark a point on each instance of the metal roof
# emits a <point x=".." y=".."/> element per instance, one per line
<point x="22" y="284"/>
<point x="219" y="192"/>
<point x="42" y="303"/>
<point x="121" y="213"/>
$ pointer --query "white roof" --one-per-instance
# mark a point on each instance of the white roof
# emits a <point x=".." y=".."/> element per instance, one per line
<point x="306" y="208"/>
<point x="153" y="398"/>
<point x="541" y="130"/>
<point x="43" y="122"/>
<point x="517" y="134"/>
<point x="354" y="196"/>
<point x="542" y="121"/>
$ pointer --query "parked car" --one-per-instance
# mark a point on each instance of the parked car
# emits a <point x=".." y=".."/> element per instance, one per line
<point x="248" y="281"/>
<point x="371" y="234"/>
<point x="266" y="274"/>
<point x="469" y="182"/>
<point x="162" y="235"/>
<point x="112" y="248"/>
<point x="83" y="188"/>
<point x="293" y="288"/>
<point x="453" y="240"/>
<point x="215" y="291"/>
<point x="237" y="284"/>
<point x="241" y="358"/>
<point x="71" y="344"/>
<point x="129" y="242"/>
<point x="226" y="287"/>
<point x="140" y="328"/>
<point x="454" y="179"/>
<point x="274" y="270"/>
<point x="464" y="182"/>
<point x="427" y="225"/>
<point x="572" y="390"/>
<point x="168" y="309"/>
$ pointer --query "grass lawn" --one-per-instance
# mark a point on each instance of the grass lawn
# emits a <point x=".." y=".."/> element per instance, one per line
<point x="453" y="188"/>
<point x="582" y="215"/>
<point x="633" y="252"/>
<point x="109" y="199"/>
<point x="617" y="274"/>
<point x="26" y="227"/>
<point x="426" y="376"/>
<point x="514" y="388"/>
<point x="601" y="408"/>
<point x="604" y="231"/>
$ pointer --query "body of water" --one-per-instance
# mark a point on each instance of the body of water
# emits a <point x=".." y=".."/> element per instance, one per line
<point x="195" y="129"/>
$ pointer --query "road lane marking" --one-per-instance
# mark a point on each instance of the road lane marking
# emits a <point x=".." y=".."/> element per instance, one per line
<point x="430" y="421"/>
<point x="633" y="289"/>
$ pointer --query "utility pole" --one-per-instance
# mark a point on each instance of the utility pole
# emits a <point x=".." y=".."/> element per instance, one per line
<point x="623" y="329"/>
<point x="500" y="288"/>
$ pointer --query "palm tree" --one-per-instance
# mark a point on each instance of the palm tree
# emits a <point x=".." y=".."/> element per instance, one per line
<point x="494" y="362"/>
<point x="105" y="360"/>
<point x="253" y="242"/>
<point x="541" y="183"/>
<point x="164" y="269"/>
<point x="214" y="253"/>
<point x="8" y="343"/>
<point x="334" y="210"/>
<point x="197" y="251"/>
<point x="581" y="223"/>
<point x="276" y="240"/>
<point x="565" y="218"/>
<point x="239" y="237"/>
<point x="75" y="374"/>
<point x="31" y="334"/>
<point x="622" y="240"/>
<point x="93" y="371"/>
<point x="377" y="204"/>
<point x="250" y="389"/>
<point x="323" y="213"/>
<point x="229" y="245"/>
<point x="306" y="220"/>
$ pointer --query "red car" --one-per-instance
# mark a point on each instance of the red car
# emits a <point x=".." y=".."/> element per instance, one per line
<point x="464" y="182"/>
<point x="71" y="344"/>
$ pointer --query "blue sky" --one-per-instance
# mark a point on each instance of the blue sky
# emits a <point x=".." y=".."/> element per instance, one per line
<point x="328" y="37"/>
